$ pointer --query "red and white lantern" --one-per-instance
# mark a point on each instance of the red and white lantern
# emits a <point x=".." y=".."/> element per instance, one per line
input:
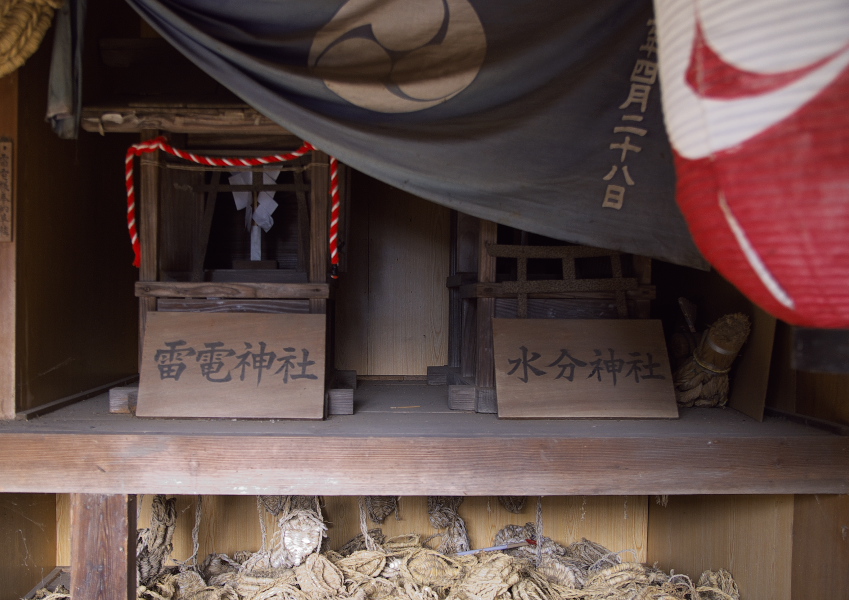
<point x="756" y="103"/>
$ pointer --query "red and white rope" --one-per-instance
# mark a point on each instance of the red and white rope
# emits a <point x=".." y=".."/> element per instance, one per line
<point x="160" y="143"/>
<point x="334" y="217"/>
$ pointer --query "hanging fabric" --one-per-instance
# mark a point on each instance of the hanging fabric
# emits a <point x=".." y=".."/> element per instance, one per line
<point x="546" y="119"/>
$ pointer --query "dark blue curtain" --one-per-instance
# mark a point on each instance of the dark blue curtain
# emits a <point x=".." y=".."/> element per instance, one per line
<point x="542" y="115"/>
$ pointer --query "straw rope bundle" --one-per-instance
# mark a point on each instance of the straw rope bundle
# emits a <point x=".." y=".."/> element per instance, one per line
<point x="155" y="542"/>
<point x="320" y="578"/>
<point x="60" y="593"/>
<point x="490" y="578"/>
<point x="359" y="542"/>
<point x="512" y="534"/>
<point x="702" y="380"/>
<point x="443" y="514"/>
<point x="23" y="24"/>
<point x="404" y="568"/>
<point x="380" y="507"/>
<point x="513" y="504"/>
<point x="717" y="585"/>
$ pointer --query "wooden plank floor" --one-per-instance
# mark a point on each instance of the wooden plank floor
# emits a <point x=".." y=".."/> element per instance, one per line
<point x="402" y="439"/>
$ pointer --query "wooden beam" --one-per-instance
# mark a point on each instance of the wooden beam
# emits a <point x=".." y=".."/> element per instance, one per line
<point x="184" y="289"/>
<point x="235" y="119"/>
<point x="508" y="290"/>
<point x="231" y="305"/>
<point x="356" y="464"/>
<point x="103" y="546"/>
<point x="8" y="258"/>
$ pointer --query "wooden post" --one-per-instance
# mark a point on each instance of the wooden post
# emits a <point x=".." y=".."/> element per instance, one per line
<point x="103" y="546"/>
<point x="8" y="273"/>
<point x="319" y="223"/>
<point x="485" y="360"/>
<point x="642" y="267"/>
<point x="148" y="215"/>
<point x="455" y="311"/>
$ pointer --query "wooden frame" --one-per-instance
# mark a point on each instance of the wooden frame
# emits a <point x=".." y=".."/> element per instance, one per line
<point x="476" y="298"/>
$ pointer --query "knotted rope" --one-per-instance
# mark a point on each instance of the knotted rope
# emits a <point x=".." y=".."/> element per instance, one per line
<point x="442" y="511"/>
<point x="23" y="24"/>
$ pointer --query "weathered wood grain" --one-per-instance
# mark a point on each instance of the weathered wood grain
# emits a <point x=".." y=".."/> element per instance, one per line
<point x="103" y="546"/>
<point x="123" y="400"/>
<point x="820" y="546"/>
<point x="352" y="465"/>
<point x="502" y="290"/>
<point x="227" y="305"/>
<point x="284" y="379"/>
<point x="408" y="303"/>
<point x="579" y="368"/>
<point x="8" y="259"/>
<point x="748" y="535"/>
<point x="185" y="289"/>
<point x="179" y="119"/>
<point x="461" y="397"/>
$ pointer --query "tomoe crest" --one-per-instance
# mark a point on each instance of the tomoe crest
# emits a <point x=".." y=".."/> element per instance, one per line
<point x="399" y="56"/>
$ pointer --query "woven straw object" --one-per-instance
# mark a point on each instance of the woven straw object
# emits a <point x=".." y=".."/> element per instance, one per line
<point x="155" y="542"/>
<point x="405" y="568"/>
<point x="380" y="507"/>
<point x="513" y="504"/>
<point x="442" y="511"/>
<point x="702" y="380"/>
<point x="23" y="24"/>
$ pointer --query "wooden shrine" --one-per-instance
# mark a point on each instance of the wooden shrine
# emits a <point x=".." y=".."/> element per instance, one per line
<point x="479" y="293"/>
<point x="198" y="257"/>
<point x="766" y="497"/>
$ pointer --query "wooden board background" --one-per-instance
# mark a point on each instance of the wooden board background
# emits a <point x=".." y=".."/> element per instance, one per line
<point x="751" y="380"/>
<point x="821" y="546"/>
<point x="544" y="396"/>
<point x="193" y="396"/>
<point x="750" y="536"/>
<point x="27" y="542"/>
<point x="392" y="303"/>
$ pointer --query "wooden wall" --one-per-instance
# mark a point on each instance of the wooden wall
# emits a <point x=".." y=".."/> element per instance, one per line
<point x="72" y="279"/>
<point x="821" y="547"/>
<point x="392" y="308"/>
<point x="750" y="536"/>
<point x="27" y="542"/>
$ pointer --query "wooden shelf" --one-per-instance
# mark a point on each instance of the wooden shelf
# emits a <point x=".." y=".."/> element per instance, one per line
<point x="404" y="440"/>
<point x="178" y="118"/>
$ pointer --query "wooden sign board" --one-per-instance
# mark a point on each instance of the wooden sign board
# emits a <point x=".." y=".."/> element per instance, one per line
<point x="582" y="368"/>
<point x="234" y="365"/>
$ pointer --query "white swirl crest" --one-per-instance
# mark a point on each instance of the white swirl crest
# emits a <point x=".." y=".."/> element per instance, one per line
<point x="399" y="56"/>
